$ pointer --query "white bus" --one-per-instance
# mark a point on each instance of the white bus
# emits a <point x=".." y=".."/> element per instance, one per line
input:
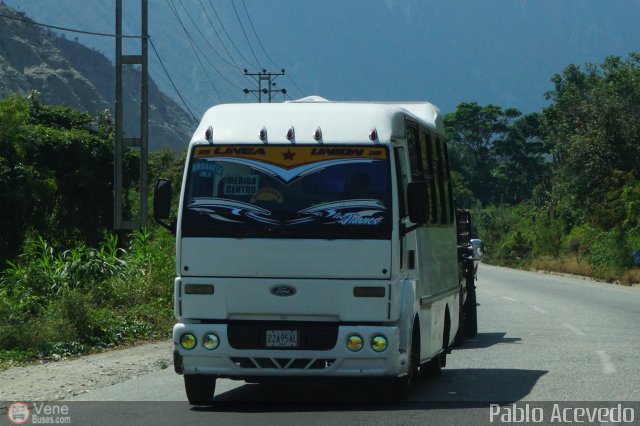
<point x="316" y="239"/>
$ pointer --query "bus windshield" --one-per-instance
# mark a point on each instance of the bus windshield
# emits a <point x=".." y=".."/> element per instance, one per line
<point x="262" y="191"/>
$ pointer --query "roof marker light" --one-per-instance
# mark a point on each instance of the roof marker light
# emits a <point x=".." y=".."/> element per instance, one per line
<point x="317" y="135"/>
<point x="208" y="134"/>
<point x="263" y="134"/>
<point x="373" y="134"/>
<point x="291" y="133"/>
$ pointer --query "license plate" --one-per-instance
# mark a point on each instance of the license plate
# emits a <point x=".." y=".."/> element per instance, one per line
<point x="282" y="338"/>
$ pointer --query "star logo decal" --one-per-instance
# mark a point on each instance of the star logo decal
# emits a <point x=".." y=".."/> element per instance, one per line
<point x="288" y="155"/>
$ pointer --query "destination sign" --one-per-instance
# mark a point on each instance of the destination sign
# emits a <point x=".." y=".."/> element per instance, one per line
<point x="290" y="157"/>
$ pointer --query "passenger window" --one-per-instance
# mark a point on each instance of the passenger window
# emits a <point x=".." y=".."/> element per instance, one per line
<point x="436" y="197"/>
<point x="448" y="185"/>
<point x="442" y="191"/>
<point x="428" y="164"/>
<point x="413" y="142"/>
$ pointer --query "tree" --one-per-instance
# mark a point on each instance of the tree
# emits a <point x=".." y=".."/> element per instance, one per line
<point x="497" y="151"/>
<point x="14" y="174"/>
<point x="521" y="165"/>
<point x="593" y="126"/>
<point x="55" y="175"/>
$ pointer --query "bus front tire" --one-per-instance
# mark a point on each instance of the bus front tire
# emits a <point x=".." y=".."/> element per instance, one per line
<point x="200" y="388"/>
<point x="405" y="384"/>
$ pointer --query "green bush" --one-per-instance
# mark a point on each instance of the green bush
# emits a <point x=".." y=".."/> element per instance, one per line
<point x="607" y="252"/>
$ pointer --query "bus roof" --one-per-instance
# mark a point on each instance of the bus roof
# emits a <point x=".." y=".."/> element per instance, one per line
<point x="339" y="122"/>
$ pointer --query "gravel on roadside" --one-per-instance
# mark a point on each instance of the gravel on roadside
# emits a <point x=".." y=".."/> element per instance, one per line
<point x="59" y="380"/>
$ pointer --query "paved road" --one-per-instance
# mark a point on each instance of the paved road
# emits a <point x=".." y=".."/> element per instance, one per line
<point x="541" y="338"/>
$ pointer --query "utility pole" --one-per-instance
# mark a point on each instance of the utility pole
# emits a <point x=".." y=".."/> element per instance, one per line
<point x="142" y="142"/>
<point x="266" y="84"/>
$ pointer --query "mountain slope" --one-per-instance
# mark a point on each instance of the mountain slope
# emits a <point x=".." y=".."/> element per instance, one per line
<point x="66" y="72"/>
<point x="490" y="51"/>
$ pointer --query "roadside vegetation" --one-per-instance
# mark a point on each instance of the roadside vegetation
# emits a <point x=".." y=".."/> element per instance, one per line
<point x="61" y="303"/>
<point x="67" y="284"/>
<point x="556" y="190"/>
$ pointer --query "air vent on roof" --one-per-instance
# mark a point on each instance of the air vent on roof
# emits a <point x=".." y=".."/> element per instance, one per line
<point x="309" y="99"/>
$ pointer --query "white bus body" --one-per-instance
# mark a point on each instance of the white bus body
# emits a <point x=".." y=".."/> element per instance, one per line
<point x="280" y="261"/>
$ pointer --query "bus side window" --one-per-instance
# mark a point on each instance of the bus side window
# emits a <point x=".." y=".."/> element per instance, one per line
<point x="427" y="165"/>
<point x="440" y="172"/>
<point x="413" y="142"/>
<point x="436" y="211"/>
<point x="448" y="183"/>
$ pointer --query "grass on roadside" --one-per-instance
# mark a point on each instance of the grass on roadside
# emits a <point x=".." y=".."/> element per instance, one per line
<point x="571" y="264"/>
<point x="57" y="304"/>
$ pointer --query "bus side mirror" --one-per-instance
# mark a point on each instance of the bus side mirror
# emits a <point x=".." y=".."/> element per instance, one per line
<point x="418" y="202"/>
<point x="162" y="203"/>
<point x="476" y="244"/>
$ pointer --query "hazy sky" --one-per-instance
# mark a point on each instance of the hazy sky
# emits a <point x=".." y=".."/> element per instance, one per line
<point x="500" y="51"/>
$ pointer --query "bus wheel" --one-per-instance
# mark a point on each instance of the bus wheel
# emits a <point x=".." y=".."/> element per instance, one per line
<point x="200" y="388"/>
<point x="470" y="309"/>
<point x="460" y="334"/>
<point x="404" y="385"/>
<point x="433" y="367"/>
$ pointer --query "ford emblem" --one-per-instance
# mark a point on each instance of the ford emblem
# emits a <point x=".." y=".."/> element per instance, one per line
<point x="283" y="290"/>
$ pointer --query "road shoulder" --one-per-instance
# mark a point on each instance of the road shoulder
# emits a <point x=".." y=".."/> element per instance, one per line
<point x="68" y="378"/>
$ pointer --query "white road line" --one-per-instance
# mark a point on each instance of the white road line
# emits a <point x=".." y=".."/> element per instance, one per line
<point x="607" y="364"/>
<point x="575" y="330"/>
<point x="542" y="311"/>
<point x="509" y="298"/>
<point x="486" y="291"/>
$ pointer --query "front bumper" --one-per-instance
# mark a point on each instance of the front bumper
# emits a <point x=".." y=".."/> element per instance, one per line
<point x="339" y="361"/>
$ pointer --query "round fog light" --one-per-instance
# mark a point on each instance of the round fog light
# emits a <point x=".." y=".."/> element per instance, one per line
<point x="211" y="341"/>
<point x="354" y="343"/>
<point x="379" y="343"/>
<point x="188" y="341"/>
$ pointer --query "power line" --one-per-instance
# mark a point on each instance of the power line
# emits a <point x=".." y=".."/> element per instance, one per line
<point x="227" y="33"/>
<point x="191" y="42"/>
<point x="204" y="38"/>
<point x="196" y="47"/>
<point x="295" y="85"/>
<point x="245" y="34"/>
<point x="246" y="11"/>
<point x="258" y="38"/>
<point x="171" y="80"/>
<point x="71" y="30"/>
<point x="218" y="35"/>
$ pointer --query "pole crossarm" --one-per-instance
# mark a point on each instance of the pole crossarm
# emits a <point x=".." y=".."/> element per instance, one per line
<point x="266" y="83"/>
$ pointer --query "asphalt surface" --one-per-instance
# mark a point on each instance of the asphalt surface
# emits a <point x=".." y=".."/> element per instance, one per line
<point x="541" y="338"/>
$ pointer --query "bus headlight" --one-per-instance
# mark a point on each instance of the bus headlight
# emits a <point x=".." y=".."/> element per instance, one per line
<point x="188" y="341"/>
<point x="354" y="343"/>
<point x="379" y="343"/>
<point x="211" y="341"/>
